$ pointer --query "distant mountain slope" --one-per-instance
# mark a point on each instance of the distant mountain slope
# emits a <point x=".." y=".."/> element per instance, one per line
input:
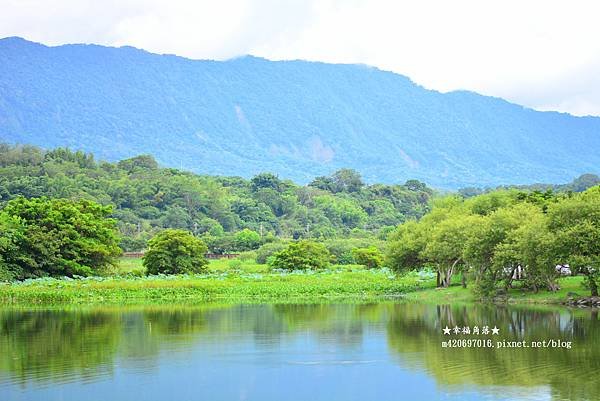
<point x="298" y="119"/>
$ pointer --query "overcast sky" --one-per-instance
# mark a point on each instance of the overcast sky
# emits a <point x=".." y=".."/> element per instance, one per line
<point x="544" y="54"/>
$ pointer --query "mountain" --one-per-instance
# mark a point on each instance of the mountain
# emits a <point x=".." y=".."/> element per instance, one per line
<point x="294" y="118"/>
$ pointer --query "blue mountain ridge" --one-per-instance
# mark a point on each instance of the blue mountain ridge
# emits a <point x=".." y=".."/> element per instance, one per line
<point x="297" y="119"/>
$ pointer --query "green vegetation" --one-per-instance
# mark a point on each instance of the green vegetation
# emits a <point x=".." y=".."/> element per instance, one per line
<point x="496" y="237"/>
<point x="575" y="226"/>
<point x="247" y="282"/>
<point x="127" y="265"/>
<point x="495" y="242"/>
<point x="175" y="252"/>
<point x="231" y="214"/>
<point x="301" y="255"/>
<point x="369" y="257"/>
<point x="579" y="184"/>
<point x="456" y="294"/>
<point x="55" y="237"/>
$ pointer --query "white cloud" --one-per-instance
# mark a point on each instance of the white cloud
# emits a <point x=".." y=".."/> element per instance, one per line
<point x="541" y="53"/>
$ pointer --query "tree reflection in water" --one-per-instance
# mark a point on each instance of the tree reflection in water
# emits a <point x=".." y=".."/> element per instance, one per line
<point x="59" y="346"/>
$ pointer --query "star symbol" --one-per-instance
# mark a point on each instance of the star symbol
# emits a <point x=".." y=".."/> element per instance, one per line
<point x="446" y="331"/>
<point x="495" y="330"/>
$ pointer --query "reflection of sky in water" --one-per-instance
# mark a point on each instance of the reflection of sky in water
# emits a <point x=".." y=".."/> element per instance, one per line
<point x="331" y="359"/>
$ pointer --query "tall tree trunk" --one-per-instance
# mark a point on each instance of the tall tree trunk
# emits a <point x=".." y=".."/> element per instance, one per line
<point x="437" y="280"/>
<point x="510" y="277"/>
<point x="448" y="276"/>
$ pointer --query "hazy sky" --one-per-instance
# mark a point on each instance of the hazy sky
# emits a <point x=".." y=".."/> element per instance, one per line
<point x="544" y="54"/>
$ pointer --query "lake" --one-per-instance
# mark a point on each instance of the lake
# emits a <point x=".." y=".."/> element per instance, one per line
<point x="386" y="351"/>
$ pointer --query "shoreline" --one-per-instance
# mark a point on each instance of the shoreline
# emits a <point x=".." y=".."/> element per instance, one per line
<point x="353" y="285"/>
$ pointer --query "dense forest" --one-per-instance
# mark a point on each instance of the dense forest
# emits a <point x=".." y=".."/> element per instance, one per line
<point x="579" y="184"/>
<point x="230" y="213"/>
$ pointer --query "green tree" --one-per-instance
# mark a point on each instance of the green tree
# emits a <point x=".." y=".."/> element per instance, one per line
<point x="576" y="224"/>
<point x="138" y="163"/>
<point x="267" y="250"/>
<point x="405" y="247"/>
<point x="501" y="241"/>
<point x="12" y="235"/>
<point x="343" y="180"/>
<point x="341" y="211"/>
<point x="266" y="180"/>
<point x="369" y="257"/>
<point x="147" y="198"/>
<point x="247" y="240"/>
<point x="446" y="244"/>
<point x="57" y="237"/>
<point x="347" y="180"/>
<point x="175" y="252"/>
<point x="301" y="255"/>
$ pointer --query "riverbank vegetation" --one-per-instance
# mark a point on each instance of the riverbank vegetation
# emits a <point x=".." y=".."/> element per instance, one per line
<point x="224" y="282"/>
<point x="234" y="281"/>
<point x="62" y="214"/>
<point x="495" y="238"/>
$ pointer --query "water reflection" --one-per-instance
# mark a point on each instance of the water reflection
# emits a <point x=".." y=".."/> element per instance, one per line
<point x="344" y="352"/>
<point x="570" y="374"/>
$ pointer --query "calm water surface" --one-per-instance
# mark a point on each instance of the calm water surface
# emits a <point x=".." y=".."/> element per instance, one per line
<point x="294" y="352"/>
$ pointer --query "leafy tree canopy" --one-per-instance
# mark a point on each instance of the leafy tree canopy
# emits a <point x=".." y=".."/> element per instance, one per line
<point x="56" y="237"/>
<point x="301" y="255"/>
<point x="175" y="252"/>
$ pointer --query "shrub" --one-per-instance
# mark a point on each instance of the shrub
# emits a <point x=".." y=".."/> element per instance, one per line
<point x="264" y="252"/>
<point x="175" y="252"/>
<point x="341" y="249"/>
<point x="248" y="256"/>
<point x="369" y="257"/>
<point x="5" y="273"/>
<point x="301" y="255"/>
<point x="219" y="244"/>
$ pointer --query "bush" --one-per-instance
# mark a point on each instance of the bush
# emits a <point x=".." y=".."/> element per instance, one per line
<point x="5" y="273"/>
<point x="301" y="255"/>
<point x="369" y="257"/>
<point x="264" y="252"/>
<point x="175" y="252"/>
<point x="341" y="249"/>
<point x="248" y="256"/>
<point x="220" y="244"/>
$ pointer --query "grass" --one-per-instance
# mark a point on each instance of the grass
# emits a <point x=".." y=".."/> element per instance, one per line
<point x="128" y="265"/>
<point x="237" y="281"/>
<point x="456" y="294"/>
<point x="224" y="282"/>
<point x="134" y="266"/>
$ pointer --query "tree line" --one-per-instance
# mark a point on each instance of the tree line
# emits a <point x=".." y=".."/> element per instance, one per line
<point x="489" y="238"/>
<point x="230" y="213"/>
<point x="64" y="214"/>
